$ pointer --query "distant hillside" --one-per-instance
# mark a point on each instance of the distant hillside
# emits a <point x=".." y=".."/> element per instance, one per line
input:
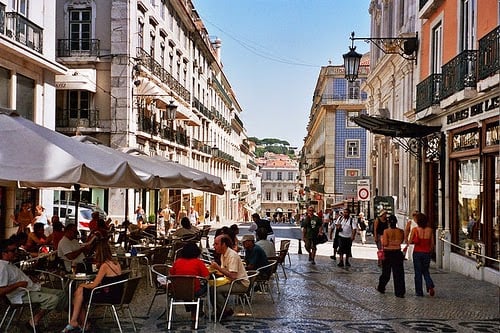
<point x="276" y="146"/>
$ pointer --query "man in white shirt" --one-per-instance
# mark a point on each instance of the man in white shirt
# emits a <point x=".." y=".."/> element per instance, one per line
<point x="194" y="218"/>
<point x="71" y="251"/>
<point x="232" y="268"/>
<point x="347" y="233"/>
<point x="13" y="280"/>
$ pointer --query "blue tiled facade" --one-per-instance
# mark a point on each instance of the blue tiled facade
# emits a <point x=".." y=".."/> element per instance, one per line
<point x="343" y="132"/>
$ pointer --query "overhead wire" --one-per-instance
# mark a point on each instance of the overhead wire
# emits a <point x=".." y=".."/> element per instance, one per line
<point x="260" y="50"/>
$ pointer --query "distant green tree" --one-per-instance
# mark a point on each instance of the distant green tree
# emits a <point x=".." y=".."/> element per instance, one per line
<point x="272" y="145"/>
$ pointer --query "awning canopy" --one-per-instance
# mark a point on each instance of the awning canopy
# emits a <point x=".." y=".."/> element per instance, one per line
<point x="77" y="79"/>
<point x="394" y="128"/>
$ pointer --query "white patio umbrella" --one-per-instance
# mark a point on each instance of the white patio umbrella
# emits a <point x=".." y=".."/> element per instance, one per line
<point x="166" y="174"/>
<point x="35" y="156"/>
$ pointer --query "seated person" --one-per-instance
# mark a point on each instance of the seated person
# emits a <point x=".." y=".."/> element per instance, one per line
<point x="57" y="233"/>
<point x="11" y="278"/>
<point x="109" y="271"/>
<point x="255" y="257"/>
<point x="232" y="268"/>
<point x="187" y="229"/>
<point x="264" y="243"/>
<point x="37" y="239"/>
<point x="20" y="241"/>
<point x="189" y="263"/>
<point x="70" y="250"/>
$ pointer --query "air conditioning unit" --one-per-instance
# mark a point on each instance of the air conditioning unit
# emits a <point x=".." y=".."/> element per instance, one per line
<point x="195" y="63"/>
<point x="200" y="70"/>
<point x="209" y="81"/>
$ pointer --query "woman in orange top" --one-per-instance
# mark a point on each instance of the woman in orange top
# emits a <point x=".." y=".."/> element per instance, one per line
<point x="423" y="238"/>
<point x="391" y="241"/>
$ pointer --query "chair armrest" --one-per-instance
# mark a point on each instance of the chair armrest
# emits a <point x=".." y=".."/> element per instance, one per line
<point x="102" y="286"/>
<point x="52" y="275"/>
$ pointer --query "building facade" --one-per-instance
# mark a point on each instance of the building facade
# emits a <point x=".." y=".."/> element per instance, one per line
<point x="458" y="88"/>
<point x="449" y="170"/>
<point x="28" y="69"/>
<point x="131" y="62"/>
<point x="391" y="89"/>
<point x="278" y="187"/>
<point x="334" y="151"/>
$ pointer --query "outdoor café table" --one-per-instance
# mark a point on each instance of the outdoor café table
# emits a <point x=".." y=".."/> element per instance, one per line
<point x="214" y="279"/>
<point x="131" y="261"/>
<point x="78" y="277"/>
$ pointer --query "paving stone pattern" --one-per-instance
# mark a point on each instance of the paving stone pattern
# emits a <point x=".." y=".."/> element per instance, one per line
<point x="326" y="298"/>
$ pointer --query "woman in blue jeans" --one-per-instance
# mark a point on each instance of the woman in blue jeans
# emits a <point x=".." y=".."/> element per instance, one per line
<point x="423" y="238"/>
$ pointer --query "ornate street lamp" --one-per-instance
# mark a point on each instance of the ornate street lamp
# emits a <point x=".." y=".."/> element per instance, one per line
<point x="406" y="47"/>
<point x="171" y="111"/>
<point x="351" y="62"/>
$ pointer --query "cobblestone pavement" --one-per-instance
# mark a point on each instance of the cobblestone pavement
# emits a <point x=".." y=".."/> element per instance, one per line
<point x="326" y="298"/>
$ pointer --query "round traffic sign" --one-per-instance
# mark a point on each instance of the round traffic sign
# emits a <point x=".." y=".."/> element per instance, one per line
<point x="363" y="193"/>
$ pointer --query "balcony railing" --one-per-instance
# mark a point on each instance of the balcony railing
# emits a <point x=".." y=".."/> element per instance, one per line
<point x="77" y="118"/>
<point x="2" y="18"/>
<point x="428" y="92"/>
<point x="78" y="47"/>
<point x="459" y="73"/>
<point x="489" y="54"/>
<point x="144" y="59"/>
<point x="202" y="108"/>
<point x="150" y="125"/>
<point x="359" y="97"/>
<point x="200" y="146"/>
<point x="24" y="31"/>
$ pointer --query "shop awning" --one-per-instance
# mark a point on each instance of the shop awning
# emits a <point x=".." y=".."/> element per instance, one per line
<point x="394" y="128"/>
<point x="77" y="79"/>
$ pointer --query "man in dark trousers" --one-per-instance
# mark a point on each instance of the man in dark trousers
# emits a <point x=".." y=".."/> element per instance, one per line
<point x="262" y="223"/>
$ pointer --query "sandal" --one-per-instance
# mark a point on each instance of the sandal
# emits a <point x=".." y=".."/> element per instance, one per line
<point x="71" y="329"/>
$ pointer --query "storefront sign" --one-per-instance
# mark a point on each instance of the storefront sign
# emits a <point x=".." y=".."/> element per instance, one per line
<point x="484" y="106"/>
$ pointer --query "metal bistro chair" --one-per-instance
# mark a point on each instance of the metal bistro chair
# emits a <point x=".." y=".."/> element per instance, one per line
<point x="14" y="307"/>
<point x="282" y="254"/>
<point x="245" y="296"/>
<point x="159" y="255"/>
<point x="128" y="287"/>
<point x="182" y="292"/>
<point x="266" y="274"/>
<point x="285" y="245"/>
<point x="159" y="274"/>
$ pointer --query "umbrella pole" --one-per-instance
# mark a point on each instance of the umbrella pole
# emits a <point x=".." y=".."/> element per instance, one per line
<point x="126" y="223"/>
<point x="76" y="196"/>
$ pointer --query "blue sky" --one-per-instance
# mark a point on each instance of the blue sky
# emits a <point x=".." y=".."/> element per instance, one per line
<point x="272" y="52"/>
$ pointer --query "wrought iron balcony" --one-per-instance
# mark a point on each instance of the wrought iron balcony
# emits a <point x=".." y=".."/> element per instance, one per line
<point x="87" y="118"/>
<point x="489" y="54"/>
<point x="78" y="47"/>
<point x="146" y="124"/>
<point x="200" y="146"/>
<point x="22" y="30"/>
<point x="428" y="92"/>
<point x="201" y="108"/>
<point x="459" y="73"/>
<point x="156" y="69"/>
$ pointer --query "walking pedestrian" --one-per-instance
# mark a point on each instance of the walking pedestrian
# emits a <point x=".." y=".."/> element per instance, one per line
<point x="347" y="234"/>
<point x="379" y="226"/>
<point x="423" y="238"/>
<point x="334" y="235"/>
<point x="410" y="224"/>
<point x="362" y="224"/>
<point x="393" y="259"/>
<point x="311" y="228"/>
